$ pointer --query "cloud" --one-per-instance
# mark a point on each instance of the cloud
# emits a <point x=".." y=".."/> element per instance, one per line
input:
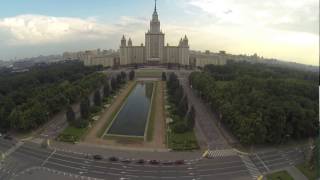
<point x="246" y="28"/>
<point x="38" y="29"/>
<point x="292" y="15"/>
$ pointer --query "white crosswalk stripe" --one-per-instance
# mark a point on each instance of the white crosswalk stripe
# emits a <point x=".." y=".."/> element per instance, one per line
<point x="253" y="170"/>
<point x="220" y="153"/>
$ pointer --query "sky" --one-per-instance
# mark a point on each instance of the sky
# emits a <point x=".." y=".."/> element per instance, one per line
<point x="282" y="29"/>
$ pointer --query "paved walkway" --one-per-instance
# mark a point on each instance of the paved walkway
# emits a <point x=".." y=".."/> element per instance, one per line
<point x="296" y="173"/>
<point x="214" y="136"/>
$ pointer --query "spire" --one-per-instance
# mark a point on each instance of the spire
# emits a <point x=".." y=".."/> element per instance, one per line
<point x="155" y="13"/>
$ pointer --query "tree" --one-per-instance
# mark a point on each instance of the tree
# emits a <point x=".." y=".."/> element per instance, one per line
<point x="191" y="118"/>
<point x="164" y="76"/>
<point x="15" y="118"/>
<point x="97" y="98"/>
<point x="106" y="90"/>
<point x="179" y="127"/>
<point x="178" y="94"/>
<point x="82" y="123"/>
<point x="123" y="76"/>
<point x="183" y="106"/>
<point x="113" y="84"/>
<point x="131" y="75"/>
<point x="71" y="117"/>
<point x="85" y="108"/>
<point x="119" y="80"/>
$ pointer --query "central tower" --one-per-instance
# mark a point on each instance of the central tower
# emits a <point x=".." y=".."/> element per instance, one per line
<point x="154" y="40"/>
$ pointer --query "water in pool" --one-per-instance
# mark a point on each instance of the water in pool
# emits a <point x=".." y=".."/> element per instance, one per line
<point x="133" y="116"/>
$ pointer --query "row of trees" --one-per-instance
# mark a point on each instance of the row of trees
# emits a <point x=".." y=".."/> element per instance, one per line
<point x="28" y="99"/>
<point x="53" y="99"/>
<point x="183" y="117"/>
<point x="261" y="104"/>
<point x="109" y="87"/>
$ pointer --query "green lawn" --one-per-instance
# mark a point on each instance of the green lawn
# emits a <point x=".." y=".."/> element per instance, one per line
<point x="280" y="175"/>
<point x="148" y="73"/>
<point x="72" y="134"/>
<point x="182" y="142"/>
<point x="152" y="117"/>
<point x="310" y="174"/>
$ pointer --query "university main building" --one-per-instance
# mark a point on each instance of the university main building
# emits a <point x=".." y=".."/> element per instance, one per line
<point x="154" y="52"/>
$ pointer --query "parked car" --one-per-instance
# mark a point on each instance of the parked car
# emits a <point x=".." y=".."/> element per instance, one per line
<point x="127" y="161"/>
<point x="141" y="161"/>
<point x="113" y="159"/>
<point x="8" y="137"/>
<point x="154" y="162"/>
<point x="167" y="163"/>
<point x="97" y="157"/>
<point x="179" y="162"/>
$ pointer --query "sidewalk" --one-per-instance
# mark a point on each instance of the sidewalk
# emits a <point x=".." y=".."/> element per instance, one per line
<point x="296" y="173"/>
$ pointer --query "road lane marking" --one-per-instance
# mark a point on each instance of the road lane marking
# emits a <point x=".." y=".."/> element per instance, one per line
<point x="221" y="174"/>
<point x="13" y="149"/>
<point x="44" y="162"/>
<point x="265" y="166"/>
<point x="212" y="169"/>
<point x="205" y="153"/>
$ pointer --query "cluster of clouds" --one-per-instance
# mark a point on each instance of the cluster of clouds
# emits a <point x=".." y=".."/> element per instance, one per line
<point x="285" y="29"/>
<point x="38" y="29"/>
<point x="291" y="15"/>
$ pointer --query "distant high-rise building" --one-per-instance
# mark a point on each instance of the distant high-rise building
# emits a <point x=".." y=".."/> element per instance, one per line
<point x="154" y="51"/>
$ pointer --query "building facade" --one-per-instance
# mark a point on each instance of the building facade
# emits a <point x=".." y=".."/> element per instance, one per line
<point x="155" y="52"/>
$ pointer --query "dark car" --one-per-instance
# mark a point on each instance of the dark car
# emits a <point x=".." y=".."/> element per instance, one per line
<point x="154" y="162"/>
<point x="179" y="162"/>
<point x="97" y="157"/>
<point x="141" y="161"/>
<point x="113" y="159"/>
<point x="127" y="161"/>
<point x="8" y="137"/>
<point x="167" y="163"/>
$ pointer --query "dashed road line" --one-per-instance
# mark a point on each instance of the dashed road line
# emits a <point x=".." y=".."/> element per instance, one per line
<point x="220" y="153"/>
<point x="262" y="162"/>
<point x="46" y="160"/>
<point x="253" y="170"/>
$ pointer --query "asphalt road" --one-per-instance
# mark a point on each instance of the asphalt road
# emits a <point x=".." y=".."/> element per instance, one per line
<point x="277" y="159"/>
<point x="32" y="155"/>
<point x="78" y="165"/>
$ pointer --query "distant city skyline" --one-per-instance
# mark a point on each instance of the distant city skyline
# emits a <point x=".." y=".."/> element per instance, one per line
<point x="286" y="30"/>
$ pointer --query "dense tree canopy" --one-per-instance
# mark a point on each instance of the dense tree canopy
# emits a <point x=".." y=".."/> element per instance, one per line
<point x="85" y="108"/>
<point x="28" y="99"/>
<point x="164" y="76"/>
<point x="259" y="103"/>
<point x="70" y="115"/>
<point x="131" y="75"/>
<point x="183" y="119"/>
<point x="97" y="98"/>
